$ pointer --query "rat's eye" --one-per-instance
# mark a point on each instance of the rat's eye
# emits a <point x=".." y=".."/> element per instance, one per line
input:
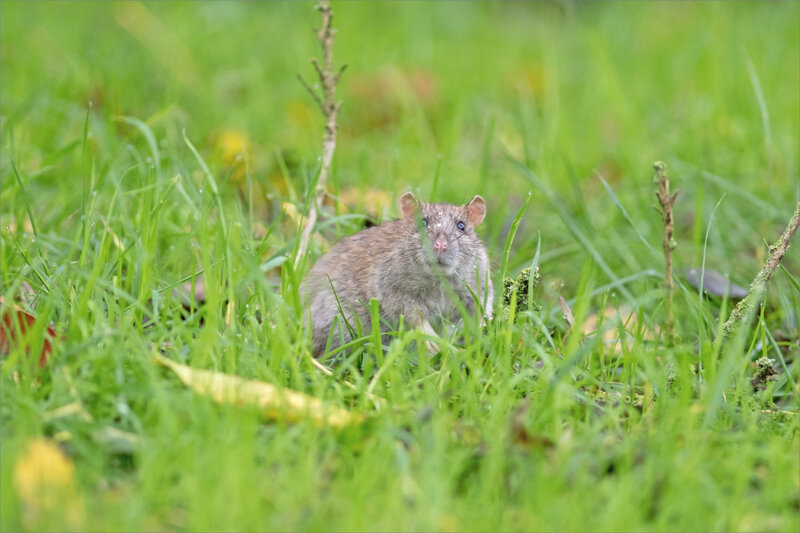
<point x="425" y="222"/>
<point x="460" y="225"/>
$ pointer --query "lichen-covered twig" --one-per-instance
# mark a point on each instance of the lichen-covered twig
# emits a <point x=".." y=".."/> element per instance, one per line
<point x="746" y="309"/>
<point x="330" y="109"/>
<point x="667" y="202"/>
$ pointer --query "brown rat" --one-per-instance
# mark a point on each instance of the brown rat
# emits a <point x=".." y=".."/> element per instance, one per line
<point x="403" y="264"/>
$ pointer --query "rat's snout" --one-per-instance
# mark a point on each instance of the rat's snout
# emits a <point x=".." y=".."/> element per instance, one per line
<point x="440" y="244"/>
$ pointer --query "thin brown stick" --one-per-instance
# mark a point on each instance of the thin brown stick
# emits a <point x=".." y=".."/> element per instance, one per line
<point x="746" y="308"/>
<point x="667" y="203"/>
<point x="330" y="109"/>
<point x="314" y="95"/>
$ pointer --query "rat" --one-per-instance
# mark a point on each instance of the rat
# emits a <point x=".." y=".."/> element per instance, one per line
<point x="404" y="265"/>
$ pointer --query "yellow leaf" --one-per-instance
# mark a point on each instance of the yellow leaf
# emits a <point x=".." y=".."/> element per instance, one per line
<point x="376" y="202"/>
<point x="232" y="144"/>
<point x="44" y="479"/>
<point x="231" y="147"/>
<point x="606" y="324"/>
<point x="274" y="401"/>
<point x="290" y="210"/>
<point x="11" y="224"/>
<point x="292" y="213"/>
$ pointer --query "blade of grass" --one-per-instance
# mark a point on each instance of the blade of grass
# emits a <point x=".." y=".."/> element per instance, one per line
<point x="511" y="233"/>
<point x="766" y="209"/>
<point x="534" y="268"/>
<point x="24" y="196"/>
<point x="700" y="299"/>
<point x="792" y="280"/>
<point x="148" y="135"/>
<point x="571" y="226"/>
<point x="435" y="186"/>
<point x="625" y="214"/>
<point x="28" y="261"/>
<point x="223" y="224"/>
<point x="762" y="104"/>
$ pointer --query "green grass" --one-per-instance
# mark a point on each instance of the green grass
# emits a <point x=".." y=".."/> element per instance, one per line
<point x="107" y="208"/>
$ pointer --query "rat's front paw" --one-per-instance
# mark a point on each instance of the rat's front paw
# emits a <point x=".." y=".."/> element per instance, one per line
<point x="432" y="348"/>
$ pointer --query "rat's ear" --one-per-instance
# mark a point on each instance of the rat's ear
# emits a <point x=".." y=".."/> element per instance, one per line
<point x="476" y="210"/>
<point x="409" y="205"/>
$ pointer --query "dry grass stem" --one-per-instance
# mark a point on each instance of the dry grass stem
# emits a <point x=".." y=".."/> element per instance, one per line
<point x="746" y="308"/>
<point x="667" y="202"/>
<point x="330" y="109"/>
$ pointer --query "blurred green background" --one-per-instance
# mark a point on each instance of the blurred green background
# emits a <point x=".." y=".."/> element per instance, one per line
<point x="569" y="89"/>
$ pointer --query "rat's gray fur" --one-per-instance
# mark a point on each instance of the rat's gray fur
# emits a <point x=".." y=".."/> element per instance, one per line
<point x="396" y="264"/>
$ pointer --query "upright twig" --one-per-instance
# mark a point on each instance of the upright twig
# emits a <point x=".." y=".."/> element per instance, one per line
<point x="330" y="109"/>
<point x="746" y="308"/>
<point x="667" y="202"/>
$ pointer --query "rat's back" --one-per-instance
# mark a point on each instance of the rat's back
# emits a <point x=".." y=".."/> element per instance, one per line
<point x="403" y="264"/>
<point x="347" y="273"/>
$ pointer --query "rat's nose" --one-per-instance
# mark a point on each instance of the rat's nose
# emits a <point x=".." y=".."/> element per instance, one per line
<point x="440" y="244"/>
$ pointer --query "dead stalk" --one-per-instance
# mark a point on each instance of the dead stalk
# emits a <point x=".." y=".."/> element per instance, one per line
<point x="667" y="202"/>
<point x="746" y="308"/>
<point x="330" y="109"/>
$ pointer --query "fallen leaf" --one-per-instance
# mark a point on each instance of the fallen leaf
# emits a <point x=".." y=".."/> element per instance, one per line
<point x="298" y="221"/>
<point x="10" y="223"/>
<point x="44" y="478"/>
<point x="71" y="409"/>
<point x="715" y="283"/>
<point x="291" y="211"/>
<point x="114" y="237"/>
<point x="565" y="308"/>
<point x="117" y="441"/>
<point x="231" y="145"/>
<point x="15" y="324"/>
<point x="186" y="290"/>
<point x="520" y="435"/>
<point x="274" y="401"/>
<point x="609" y="319"/>
<point x="27" y="294"/>
<point x="230" y="149"/>
<point x="376" y="203"/>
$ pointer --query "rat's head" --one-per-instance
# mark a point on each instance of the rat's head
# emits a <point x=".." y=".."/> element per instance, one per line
<point x="446" y="232"/>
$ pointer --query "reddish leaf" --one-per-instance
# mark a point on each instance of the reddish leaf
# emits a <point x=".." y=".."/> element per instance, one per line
<point x="15" y="324"/>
